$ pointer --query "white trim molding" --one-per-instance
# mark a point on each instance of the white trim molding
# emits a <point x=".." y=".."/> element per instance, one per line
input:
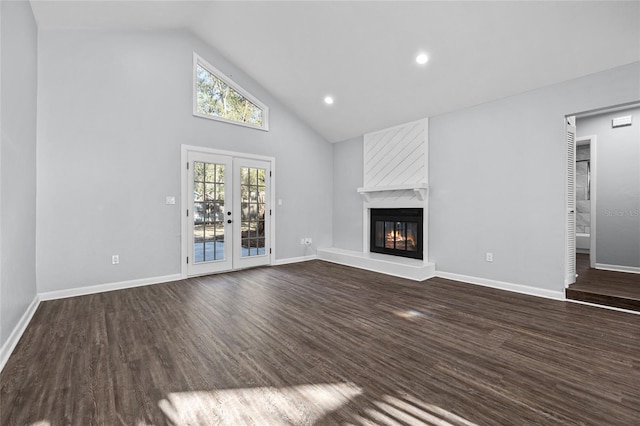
<point x="18" y="331"/>
<point x="420" y="189"/>
<point x="412" y="269"/>
<point x="199" y="61"/>
<point x="101" y="288"/>
<point x="502" y="285"/>
<point x="618" y="268"/>
<point x="299" y="259"/>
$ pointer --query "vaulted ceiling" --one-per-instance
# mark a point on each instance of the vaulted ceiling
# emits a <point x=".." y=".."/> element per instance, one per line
<point x="363" y="53"/>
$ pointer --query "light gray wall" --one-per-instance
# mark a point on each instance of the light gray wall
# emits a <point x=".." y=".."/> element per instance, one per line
<point x="618" y="187"/>
<point x="113" y="110"/>
<point x="17" y="163"/>
<point x="583" y="199"/>
<point x="500" y="165"/>
<point x="497" y="179"/>
<point x="347" y="203"/>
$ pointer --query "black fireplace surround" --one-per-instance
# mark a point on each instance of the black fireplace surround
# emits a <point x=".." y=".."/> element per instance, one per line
<point x="397" y="232"/>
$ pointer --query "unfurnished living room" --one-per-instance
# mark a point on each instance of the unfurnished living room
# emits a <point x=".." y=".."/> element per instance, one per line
<point x="319" y="213"/>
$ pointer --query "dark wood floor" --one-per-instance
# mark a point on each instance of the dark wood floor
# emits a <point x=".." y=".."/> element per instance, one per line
<point x="318" y="343"/>
<point x="617" y="289"/>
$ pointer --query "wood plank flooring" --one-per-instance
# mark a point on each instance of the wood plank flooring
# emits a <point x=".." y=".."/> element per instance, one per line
<point x="617" y="289"/>
<point x="322" y="344"/>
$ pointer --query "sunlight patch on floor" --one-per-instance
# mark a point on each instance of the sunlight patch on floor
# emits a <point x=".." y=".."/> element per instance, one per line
<point x="409" y="314"/>
<point x="413" y="411"/>
<point x="406" y="410"/>
<point x="303" y="404"/>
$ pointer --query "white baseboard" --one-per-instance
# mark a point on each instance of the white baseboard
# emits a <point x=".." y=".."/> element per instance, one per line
<point x="100" y="288"/>
<point x="19" y="329"/>
<point x="618" y="268"/>
<point x="412" y="269"/>
<point x="295" y="259"/>
<point x="16" y="334"/>
<point x="517" y="288"/>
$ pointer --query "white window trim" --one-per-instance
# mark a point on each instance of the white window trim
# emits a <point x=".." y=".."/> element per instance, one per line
<point x="198" y="60"/>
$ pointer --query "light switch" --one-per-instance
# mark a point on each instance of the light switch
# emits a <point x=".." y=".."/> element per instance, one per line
<point x="170" y="199"/>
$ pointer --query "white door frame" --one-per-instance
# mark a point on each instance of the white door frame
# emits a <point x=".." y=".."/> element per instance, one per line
<point x="598" y="111"/>
<point x="184" y="199"/>
<point x="570" y="203"/>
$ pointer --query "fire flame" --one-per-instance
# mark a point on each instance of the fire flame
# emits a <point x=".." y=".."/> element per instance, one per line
<point x="400" y="237"/>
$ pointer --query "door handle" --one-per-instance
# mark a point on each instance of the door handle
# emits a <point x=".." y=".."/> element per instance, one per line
<point x="229" y="221"/>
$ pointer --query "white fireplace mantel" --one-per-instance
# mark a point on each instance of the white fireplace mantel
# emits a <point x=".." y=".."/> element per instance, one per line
<point x="395" y="175"/>
<point x="420" y="190"/>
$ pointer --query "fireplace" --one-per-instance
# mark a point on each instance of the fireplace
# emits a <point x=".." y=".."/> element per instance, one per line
<point x="397" y="232"/>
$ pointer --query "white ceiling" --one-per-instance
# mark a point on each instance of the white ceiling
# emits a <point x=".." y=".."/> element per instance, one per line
<point x="363" y="53"/>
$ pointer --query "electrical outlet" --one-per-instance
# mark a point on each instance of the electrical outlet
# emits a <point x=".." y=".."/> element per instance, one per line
<point x="489" y="257"/>
<point x="308" y="241"/>
<point x="115" y="259"/>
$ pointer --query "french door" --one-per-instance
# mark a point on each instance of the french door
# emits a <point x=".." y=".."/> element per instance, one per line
<point x="251" y="224"/>
<point x="228" y="214"/>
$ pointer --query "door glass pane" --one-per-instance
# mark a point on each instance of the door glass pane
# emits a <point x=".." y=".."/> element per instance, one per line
<point x="210" y="173"/>
<point x="252" y="195"/>
<point x="389" y="235"/>
<point x="198" y="172"/>
<point x="208" y="212"/>
<point x="198" y="191"/>
<point x="401" y="241"/>
<point x="412" y="236"/>
<point x="209" y="191"/>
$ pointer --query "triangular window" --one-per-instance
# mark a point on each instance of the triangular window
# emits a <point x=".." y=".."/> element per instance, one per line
<point x="220" y="98"/>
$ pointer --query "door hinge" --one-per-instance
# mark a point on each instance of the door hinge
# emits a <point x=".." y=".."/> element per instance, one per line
<point x="270" y="212"/>
<point x="269" y="251"/>
<point x="187" y="212"/>
<point x="187" y="165"/>
<point x="269" y="173"/>
<point x="187" y="260"/>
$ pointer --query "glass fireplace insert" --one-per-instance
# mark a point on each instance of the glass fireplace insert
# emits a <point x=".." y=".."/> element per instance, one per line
<point x="397" y="232"/>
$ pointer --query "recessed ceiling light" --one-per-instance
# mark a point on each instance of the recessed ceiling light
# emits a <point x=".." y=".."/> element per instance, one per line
<point x="422" y="58"/>
<point x="328" y="100"/>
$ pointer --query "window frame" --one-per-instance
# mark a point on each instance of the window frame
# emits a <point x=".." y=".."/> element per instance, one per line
<point x="199" y="61"/>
